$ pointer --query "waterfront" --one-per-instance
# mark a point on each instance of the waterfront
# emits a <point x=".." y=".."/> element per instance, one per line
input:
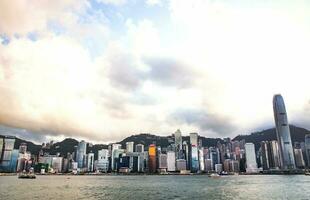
<point x="156" y="187"/>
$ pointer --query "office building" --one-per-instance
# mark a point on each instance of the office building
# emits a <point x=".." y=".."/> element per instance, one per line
<point x="251" y="164"/>
<point x="129" y="147"/>
<point x="162" y="162"/>
<point x="103" y="160"/>
<point x="152" y="158"/>
<point x="283" y="133"/>
<point x="140" y="148"/>
<point x="307" y="149"/>
<point x="299" y="159"/>
<point x="90" y="162"/>
<point x="81" y="154"/>
<point x="170" y="161"/>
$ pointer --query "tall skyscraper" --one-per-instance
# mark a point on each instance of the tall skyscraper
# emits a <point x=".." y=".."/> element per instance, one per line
<point x="152" y="158"/>
<point x="283" y="133"/>
<point x="81" y="154"/>
<point x="140" y="148"/>
<point x="193" y="139"/>
<point x="194" y="152"/>
<point x="171" y="161"/>
<point x="116" y="150"/>
<point x="178" y="141"/>
<point x="251" y="165"/>
<point x="7" y="148"/>
<point x="307" y="147"/>
<point x="103" y="160"/>
<point x="90" y="162"/>
<point x="129" y="147"/>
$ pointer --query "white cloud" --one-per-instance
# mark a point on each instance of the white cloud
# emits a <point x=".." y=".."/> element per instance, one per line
<point x="21" y="17"/>
<point x="154" y="2"/>
<point x="217" y="62"/>
<point x="113" y="2"/>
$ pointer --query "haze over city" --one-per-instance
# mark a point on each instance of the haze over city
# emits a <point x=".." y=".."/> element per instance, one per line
<point x="106" y="69"/>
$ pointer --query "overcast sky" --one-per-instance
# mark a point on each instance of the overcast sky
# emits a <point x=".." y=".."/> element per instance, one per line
<point x="106" y="69"/>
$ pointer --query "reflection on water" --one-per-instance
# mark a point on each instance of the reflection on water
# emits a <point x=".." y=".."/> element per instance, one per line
<point x="156" y="187"/>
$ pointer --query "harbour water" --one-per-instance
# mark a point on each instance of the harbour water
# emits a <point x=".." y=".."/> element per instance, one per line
<point x="156" y="187"/>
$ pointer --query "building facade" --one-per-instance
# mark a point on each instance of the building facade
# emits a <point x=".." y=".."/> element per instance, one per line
<point x="283" y="133"/>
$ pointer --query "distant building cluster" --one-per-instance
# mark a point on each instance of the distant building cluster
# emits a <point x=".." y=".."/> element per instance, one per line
<point x="179" y="156"/>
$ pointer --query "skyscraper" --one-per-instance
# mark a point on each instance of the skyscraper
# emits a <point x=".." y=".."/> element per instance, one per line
<point x="152" y="158"/>
<point x="178" y="140"/>
<point x="7" y="148"/>
<point x="90" y="162"/>
<point x="283" y="133"/>
<point x="81" y="154"/>
<point x="307" y="147"/>
<point x="140" y="148"/>
<point x="194" y="152"/>
<point x="251" y="165"/>
<point x="129" y="147"/>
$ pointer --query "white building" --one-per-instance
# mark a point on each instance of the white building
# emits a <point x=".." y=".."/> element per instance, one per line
<point x="57" y="164"/>
<point x="170" y="161"/>
<point x="103" y="160"/>
<point x="129" y="147"/>
<point x="115" y="154"/>
<point x="251" y="165"/>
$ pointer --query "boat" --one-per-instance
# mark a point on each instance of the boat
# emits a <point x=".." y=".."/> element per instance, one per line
<point x="26" y="176"/>
<point x="307" y="173"/>
<point x="214" y="175"/>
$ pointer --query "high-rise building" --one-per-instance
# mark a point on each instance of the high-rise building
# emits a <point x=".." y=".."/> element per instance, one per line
<point x="201" y="159"/>
<point x="115" y="154"/>
<point x="193" y="139"/>
<point x="251" y="165"/>
<point x="300" y="163"/>
<point x="57" y="164"/>
<point x="129" y="147"/>
<point x="283" y="133"/>
<point x="307" y="149"/>
<point x="186" y="154"/>
<point x="162" y="161"/>
<point x="140" y="148"/>
<point x="170" y="161"/>
<point x="7" y="148"/>
<point x="194" y="158"/>
<point x="90" y="162"/>
<point x="178" y="144"/>
<point x="194" y="152"/>
<point x="275" y="155"/>
<point x="81" y="154"/>
<point x="152" y="158"/>
<point x="103" y="160"/>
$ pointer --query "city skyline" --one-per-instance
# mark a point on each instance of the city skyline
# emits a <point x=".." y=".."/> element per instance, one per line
<point x="101" y="70"/>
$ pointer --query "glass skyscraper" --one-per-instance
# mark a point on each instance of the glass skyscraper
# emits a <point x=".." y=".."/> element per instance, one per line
<point x="283" y="133"/>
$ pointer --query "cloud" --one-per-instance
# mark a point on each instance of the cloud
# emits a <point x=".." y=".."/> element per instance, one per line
<point x="218" y="125"/>
<point x="113" y="2"/>
<point x="73" y="68"/>
<point x="170" y="72"/>
<point x="22" y="17"/>
<point x="154" y="2"/>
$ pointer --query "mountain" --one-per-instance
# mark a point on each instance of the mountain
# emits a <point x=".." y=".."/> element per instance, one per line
<point x="68" y="144"/>
<point x="297" y="135"/>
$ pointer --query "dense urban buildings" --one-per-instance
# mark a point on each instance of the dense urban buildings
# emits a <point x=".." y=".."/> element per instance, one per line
<point x="182" y="154"/>
<point x="287" y="160"/>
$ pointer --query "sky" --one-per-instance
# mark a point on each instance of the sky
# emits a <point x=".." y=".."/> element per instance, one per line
<point x="103" y="70"/>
